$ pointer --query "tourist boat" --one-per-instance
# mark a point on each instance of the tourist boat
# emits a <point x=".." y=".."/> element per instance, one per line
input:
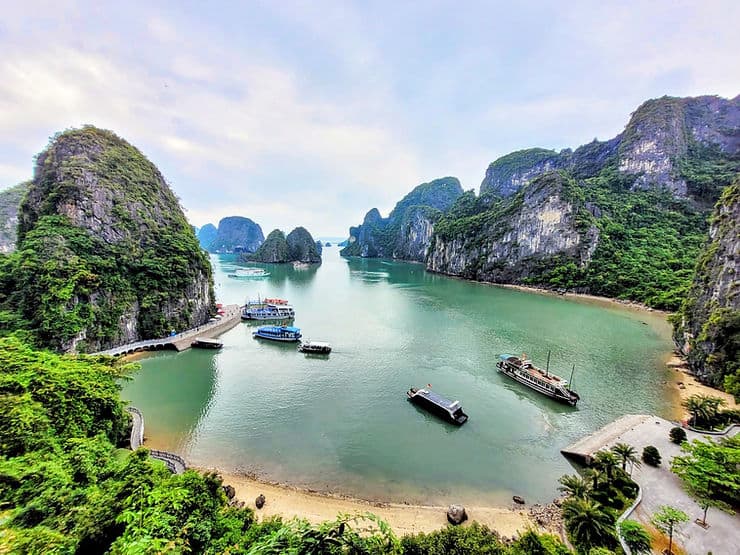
<point x="267" y="311"/>
<point x="543" y="381"/>
<point x="278" y="333"/>
<point x="315" y="347"/>
<point x="249" y="273"/>
<point x="438" y="405"/>
<point x="275" y="301"/>
<point x="205" y="343"/>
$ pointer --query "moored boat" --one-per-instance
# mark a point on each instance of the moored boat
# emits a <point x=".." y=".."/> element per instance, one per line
<point x="436" y="404"/>
<point x="542" y="381"/>
<point x="278" y="333"/>
<point x="249" y="273"/>
<point x="315" y="347"/>
<point x="267" y="311"/>
<point x="206" y="343"/>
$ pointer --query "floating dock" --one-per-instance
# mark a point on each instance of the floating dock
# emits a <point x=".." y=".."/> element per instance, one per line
<point x="583" y="450"/>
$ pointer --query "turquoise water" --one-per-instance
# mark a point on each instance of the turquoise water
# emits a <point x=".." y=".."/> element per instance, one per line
<point x="343" y="424"/>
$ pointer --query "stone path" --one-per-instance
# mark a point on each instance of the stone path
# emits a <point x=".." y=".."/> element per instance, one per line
<point x="182" y="340"/>
<point x="660" y="486"/>
<point x="175" y="463"/>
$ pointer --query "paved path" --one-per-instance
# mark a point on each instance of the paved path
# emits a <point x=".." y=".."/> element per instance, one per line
<point x="661" y="487"/>
<point x="183" y="340"/>
<point x="175" y="463"/>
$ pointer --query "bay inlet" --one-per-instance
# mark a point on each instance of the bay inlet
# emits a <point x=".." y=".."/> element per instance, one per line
<point x="342" y="423"/>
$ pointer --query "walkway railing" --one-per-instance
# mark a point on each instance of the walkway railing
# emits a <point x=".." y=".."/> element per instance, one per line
<point x="624" y="516"/>
<point x="174" y="462"/>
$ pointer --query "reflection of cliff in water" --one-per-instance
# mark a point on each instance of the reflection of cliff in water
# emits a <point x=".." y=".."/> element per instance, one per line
<point x="280" y="273"/>
<point x="172" y="414"/>
<point x="375" y="270"/>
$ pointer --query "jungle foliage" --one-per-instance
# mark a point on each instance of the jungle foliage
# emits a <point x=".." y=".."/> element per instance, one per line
<point x="67" y="486"/>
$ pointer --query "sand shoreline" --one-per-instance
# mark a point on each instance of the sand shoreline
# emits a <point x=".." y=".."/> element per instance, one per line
<point x="684" y="384"/>
<point x="317" y="507"/>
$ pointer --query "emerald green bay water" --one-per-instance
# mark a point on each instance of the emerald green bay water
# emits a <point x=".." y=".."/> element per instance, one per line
<point x="343" y="424"/>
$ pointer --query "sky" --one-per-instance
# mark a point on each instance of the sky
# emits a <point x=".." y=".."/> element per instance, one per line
<point x="310" y="112"/>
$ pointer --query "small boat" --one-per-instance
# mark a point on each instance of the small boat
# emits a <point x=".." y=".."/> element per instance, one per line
<point x="315" y="347"/>
<point x="543" y="381"/>
<point x="205" y="343"/>
<point x="278" y="333"/>
<point x="438" y="405"/>
<point x="249" y="273"/>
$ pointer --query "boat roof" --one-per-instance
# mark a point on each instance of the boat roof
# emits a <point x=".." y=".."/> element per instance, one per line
<point x="526" y="365"/>
<point x="437" y="399"/>
<point x="317" y="343"/>
<point x="279" y="328"/>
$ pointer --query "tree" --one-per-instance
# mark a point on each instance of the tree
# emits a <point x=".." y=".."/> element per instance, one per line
<point x="596" y="475"/>
<point x="651" y="456"/>
<point x="703" y="409"/>
<point x="635" y="536"/>
<point x="668" y="519"/>
<point x="574" y="486"/>
<point x="677" y="435"/>
<point x="627" y="453"/>
<point x="709" y="471"/>
<point x="588" y="523"/>
<point x="606" y="461"/>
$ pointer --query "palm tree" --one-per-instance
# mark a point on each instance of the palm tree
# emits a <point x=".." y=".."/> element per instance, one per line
<point x="627" y="453"/>
<point x="596" y="475"/>
<point x="606" y="461"/>
<point x="703" y="408"/>
<point x="574" y="486"/>
<point x="588" y="524"/>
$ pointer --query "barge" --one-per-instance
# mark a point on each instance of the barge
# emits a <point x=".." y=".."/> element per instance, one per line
<point x="315" y="348"/>
<point x="436" y="404"/>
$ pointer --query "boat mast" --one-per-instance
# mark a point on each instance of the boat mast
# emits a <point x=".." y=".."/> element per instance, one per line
<point x="547" y="368"/>
<point x="570" y="382"/>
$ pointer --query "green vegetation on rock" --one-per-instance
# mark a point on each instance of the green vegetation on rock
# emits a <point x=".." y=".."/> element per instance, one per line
<point x="10" y="202"/>
<point x="105" y="255"/>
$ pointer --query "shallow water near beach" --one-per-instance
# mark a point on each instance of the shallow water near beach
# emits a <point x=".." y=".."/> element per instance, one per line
<point x="342" y="423"/>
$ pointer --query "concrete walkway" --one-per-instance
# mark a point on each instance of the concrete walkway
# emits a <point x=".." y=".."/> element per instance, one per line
<point x="661" y="487"/>
<point x="175" y="463"/>
<point x="182" y="340"/>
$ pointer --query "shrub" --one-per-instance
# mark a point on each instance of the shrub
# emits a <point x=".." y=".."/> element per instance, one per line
<point x="677" y="435"/>
<point x="651" y="456"/>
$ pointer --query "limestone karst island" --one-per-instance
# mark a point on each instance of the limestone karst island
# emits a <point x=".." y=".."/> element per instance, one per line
<point x="370" y="278"/>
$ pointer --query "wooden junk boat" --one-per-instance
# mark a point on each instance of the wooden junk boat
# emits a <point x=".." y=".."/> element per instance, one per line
<point x="543" y="381"/>
<point x="436" y="404"/>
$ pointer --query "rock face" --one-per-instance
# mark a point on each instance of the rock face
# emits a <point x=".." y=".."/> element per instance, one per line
<point x="10" y="201"/>
<point x="708" y="329"/>
<point x="659" y="136"/>
<point x="206" y="235"/>
<point x="509" y="244"/>
<point x="107" y="256"/>
<point x="298" y="246"/>
<point x="236" y="234"/>
<point x="302" y="247"/>
<point x="456" y="514"/>
<point x="407" y="231"/>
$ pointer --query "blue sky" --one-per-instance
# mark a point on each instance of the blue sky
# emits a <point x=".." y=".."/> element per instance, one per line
<point x="311" y="113"/>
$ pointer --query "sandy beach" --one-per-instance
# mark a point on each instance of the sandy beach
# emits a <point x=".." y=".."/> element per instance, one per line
<point x="291" y="502"/>
<point x="687" y="385"/>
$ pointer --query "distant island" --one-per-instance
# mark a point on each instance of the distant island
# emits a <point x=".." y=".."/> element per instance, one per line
<point x="297" y="246"/>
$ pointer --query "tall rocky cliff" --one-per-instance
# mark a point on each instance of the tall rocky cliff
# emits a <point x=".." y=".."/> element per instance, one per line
<point x="106" y="256"/>
<point x="206" y="235"/>
<point x="707" y="329"/>
<point x="407" y="231"/>
<point x="655" y="149"/>
<point x="10" y="201"/>
<point x="298" y="246"/>
<point x="236" y="234"/>
<point x="508" y="242"/>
